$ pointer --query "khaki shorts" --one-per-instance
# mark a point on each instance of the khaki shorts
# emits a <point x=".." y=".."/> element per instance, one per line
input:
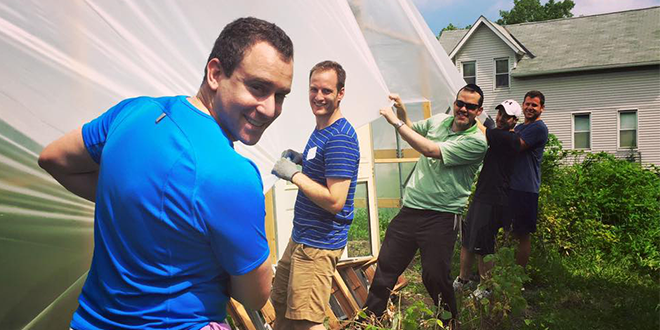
<point x="303" y="281"/>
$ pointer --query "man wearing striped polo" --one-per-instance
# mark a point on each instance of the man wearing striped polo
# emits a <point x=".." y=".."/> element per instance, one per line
<point x="324" y="206"/>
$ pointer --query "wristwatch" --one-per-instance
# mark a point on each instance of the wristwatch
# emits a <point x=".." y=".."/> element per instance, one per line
<point x="398" y="125"/>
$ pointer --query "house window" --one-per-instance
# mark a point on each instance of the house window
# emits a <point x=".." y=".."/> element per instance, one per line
<point x="470" y="72"/>
<point x="502" y="73"/>
<point x="582" y="131"/>
<point x="628" y="129"/>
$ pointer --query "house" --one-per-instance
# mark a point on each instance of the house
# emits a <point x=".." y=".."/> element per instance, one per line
<point x="600" y="75"/>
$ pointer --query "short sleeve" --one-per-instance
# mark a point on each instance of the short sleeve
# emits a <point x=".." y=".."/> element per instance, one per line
<point x="469" y="150"/>
<point x="95" y="132"/>
<point x="534" y="135"/>
<point x="422" y="126"/>
<point x="342" y="156"/>
<point x="506" y="142"/>
<point x="231" y="207"/>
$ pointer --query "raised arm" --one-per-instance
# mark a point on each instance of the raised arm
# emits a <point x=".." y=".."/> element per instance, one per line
<point x="67" y="160"/>
<point x="423" y="145"/>
<point x="401" y="111"/>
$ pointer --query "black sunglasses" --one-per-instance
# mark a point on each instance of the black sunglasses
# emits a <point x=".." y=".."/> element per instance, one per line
<point x="460" y="104"/>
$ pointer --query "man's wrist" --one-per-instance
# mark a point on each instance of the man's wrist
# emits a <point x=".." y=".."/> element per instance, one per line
<point x="399" y="124"/>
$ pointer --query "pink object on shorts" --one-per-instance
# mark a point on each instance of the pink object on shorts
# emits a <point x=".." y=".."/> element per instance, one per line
<point x="216" y="326"/>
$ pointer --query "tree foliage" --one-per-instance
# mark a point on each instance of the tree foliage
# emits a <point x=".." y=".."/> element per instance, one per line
<point x="532" y="11"/>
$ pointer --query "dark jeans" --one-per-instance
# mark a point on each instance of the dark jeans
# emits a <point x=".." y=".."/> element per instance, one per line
<point x="434" y="234"/>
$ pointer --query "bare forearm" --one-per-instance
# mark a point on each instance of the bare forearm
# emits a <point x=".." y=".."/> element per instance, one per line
<point x="81" y="184"/>
<point x="402" y="114"/>
<point x="423" y="145"/>
<point x="67" y="161"/>
<point x="319" y="194"/>
<point x="252" y="289"/>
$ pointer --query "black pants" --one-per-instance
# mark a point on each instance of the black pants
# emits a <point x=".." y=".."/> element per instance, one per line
<point x="434" y="234"/>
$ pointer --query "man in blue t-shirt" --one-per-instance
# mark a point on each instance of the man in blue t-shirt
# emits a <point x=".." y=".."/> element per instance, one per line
<point x="175" y="203"/>
<point x="324" y="206"/>
<point x="526" y="177"/>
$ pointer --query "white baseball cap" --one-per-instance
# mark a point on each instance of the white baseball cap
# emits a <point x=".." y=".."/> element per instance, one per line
<point x="511" y="107"/>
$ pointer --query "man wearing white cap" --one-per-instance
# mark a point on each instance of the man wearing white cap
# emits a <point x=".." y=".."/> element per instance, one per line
<point x="485" y="214"/>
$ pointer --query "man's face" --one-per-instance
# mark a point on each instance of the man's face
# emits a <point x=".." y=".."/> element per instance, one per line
<point x="532" y="108"/>
<point x="464" y="118"/>
<point x="248" y="101"/>
<point x="323" y="94"/>
<point x="503" y="121"/>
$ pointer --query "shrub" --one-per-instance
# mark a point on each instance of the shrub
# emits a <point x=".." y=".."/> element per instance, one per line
<point x="600" y="205"/>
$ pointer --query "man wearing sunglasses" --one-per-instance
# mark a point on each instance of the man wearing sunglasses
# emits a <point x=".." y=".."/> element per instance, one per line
<point x="452" y="149"/>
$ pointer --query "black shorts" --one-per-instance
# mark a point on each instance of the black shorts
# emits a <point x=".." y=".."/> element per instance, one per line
<point x="522" y="212"/>
<point x="480" y="227"/>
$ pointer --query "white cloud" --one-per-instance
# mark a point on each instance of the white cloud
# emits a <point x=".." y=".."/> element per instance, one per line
<point x="592" y="7"/>
<point x="494" y="9"/>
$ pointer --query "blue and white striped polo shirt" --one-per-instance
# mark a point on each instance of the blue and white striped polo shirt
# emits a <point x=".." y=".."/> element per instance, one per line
<point x="332" y="152"/>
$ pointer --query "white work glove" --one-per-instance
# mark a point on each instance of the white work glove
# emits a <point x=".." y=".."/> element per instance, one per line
<point x="285" y="169"/>
<point x="293" y="155"/>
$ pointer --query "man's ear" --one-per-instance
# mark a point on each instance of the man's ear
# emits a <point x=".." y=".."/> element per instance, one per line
<point x="480" y="110"/>
<point x="340" y="94"/>
<point x="214" y="73"/>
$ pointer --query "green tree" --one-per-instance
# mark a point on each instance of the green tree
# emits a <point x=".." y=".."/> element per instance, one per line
<point x="449" y="27"/>
<point x="532" y="11"/>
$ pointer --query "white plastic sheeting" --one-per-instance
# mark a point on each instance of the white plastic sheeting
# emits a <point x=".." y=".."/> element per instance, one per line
<point x="412" y="61"/>
<point x="65" y="62"/>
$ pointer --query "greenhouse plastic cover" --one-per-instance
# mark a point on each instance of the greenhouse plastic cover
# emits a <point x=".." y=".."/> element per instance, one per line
<point x="66" y="62"/>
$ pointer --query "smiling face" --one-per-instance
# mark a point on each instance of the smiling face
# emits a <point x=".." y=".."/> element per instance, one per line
<point x="324" y="98"/>
<point x="532" y="109"/>
<point x="248" y="101"/>
<point x="503" y="121"/>
<point x="464" y="118"/>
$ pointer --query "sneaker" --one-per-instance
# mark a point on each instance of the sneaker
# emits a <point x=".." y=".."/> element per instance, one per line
<point x="459" y="283"/>
<point x="481" y="293"/>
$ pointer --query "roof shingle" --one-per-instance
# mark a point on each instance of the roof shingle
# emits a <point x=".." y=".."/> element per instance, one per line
<point x="622" y="39"/>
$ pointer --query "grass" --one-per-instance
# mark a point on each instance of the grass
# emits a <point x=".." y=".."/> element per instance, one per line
<point x="578" y="292"/>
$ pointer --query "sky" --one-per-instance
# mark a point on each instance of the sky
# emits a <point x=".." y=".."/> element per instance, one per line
<point x="439" y="13"/>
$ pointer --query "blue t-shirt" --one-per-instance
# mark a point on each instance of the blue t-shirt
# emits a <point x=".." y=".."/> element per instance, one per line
<point x="332" y="152"/>
<point x="526" y="175"/>
<point x="177" y="212"/>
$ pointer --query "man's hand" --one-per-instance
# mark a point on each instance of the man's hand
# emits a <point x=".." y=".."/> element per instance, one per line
<point x="398" y="104"/>
<point x="293" y="155"/>
<point x="285" y="169"/>
<point x="389" y="115"/>
<point x="401" y="111"/>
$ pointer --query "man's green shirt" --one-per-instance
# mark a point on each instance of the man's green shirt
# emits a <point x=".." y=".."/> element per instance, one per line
<point x="444" y="184"/>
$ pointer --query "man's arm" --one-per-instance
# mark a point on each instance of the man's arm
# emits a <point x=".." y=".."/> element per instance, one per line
<point x="401" y="111"/>
<point x="253" y="289"/>
<point x="481" y="126"/>
<point x="423" y="145"/>
<point x="67" y="160"/>
<point x="532" y="136"/>
<point x="331" y="198"/>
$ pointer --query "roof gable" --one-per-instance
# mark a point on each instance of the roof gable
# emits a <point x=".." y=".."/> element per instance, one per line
<point x="500" y="32"/>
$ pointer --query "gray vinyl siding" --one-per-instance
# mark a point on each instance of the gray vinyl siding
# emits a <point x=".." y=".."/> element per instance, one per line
<point x="484" y="47"/>
<point x="602" y="93"/>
